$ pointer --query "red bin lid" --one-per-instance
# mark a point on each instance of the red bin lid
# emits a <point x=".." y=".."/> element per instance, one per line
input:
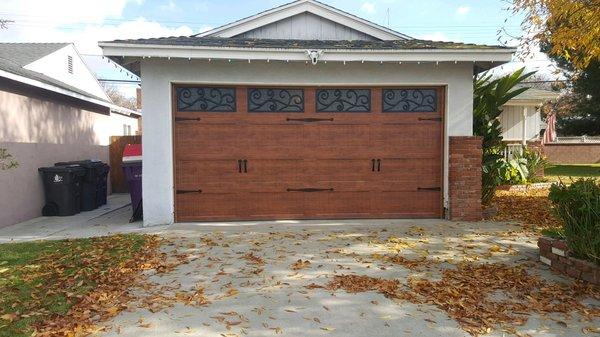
<point x="132" y="152"/>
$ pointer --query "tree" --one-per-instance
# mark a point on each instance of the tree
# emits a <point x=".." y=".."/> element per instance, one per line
<point x="489" y="95"/>
<point x="119" y="99"/>
<point x="4" y="23"/>
<point x="570" y="27"/>
<point x="579" y="111"/>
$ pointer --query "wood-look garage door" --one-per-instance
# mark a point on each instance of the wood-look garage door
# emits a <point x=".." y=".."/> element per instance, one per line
<point x="245" y="153"/>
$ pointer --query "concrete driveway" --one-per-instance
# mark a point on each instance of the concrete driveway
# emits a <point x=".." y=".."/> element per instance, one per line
<point x="265" y="279"/>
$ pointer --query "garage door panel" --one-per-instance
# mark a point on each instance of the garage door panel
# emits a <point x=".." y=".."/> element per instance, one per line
<point x="308" y="165"/>
<point x="337" y="204"/>
<point x="202" y="206"/>
<point x="256" y="137"/>
<point x="336" y="135"/>
<point x="270" y="205"/>
<point x="414" y="169"/>
<point x="408" y="204"/>
<point x="198" y="172"/>
<point x="307" y="170"/>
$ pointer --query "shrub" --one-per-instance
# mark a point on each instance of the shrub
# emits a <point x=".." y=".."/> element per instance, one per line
<point x="7" y="161"/>
<point x="522" y="168"/>
<point x="489" y="95"/>
<point x="578" y="206"/>
<point x="534" y="162"/>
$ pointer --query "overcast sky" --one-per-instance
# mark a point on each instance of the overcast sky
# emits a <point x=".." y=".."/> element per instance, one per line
<point x="86" y="22"/>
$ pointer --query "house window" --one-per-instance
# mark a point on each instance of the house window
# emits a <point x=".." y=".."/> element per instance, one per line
<point x="206" y="99"/>
<point x="70" y="64"/>
<point x="410" y="100"/>
<point x="343" y="100"/>
<point x="126" y="130"/>
<point x="275" y="100"/>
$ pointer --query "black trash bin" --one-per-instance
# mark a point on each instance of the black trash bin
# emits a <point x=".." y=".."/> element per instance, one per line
<point x="62" y="189"/>
<point x="102" y="187"/>
<point x="89" y="184"/>
<point x="95" y="183"/>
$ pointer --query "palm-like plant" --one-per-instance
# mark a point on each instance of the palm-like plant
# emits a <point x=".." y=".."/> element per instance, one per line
<point x="489" y="97"/>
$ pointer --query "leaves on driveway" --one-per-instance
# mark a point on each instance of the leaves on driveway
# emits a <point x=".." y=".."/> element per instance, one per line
<point x="531" y="207"/>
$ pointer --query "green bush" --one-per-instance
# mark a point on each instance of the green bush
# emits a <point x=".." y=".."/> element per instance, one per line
<point x="513" y="171"/>
<point x="578" y="206"/>
<point x="489" y="95"/>
<point x="534" y="162"/>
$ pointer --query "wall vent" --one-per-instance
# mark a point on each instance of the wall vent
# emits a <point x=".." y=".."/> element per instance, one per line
<point x="70" y="64"/>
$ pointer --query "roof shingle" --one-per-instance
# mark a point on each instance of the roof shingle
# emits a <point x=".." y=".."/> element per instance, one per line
<point x="194" y="41"/>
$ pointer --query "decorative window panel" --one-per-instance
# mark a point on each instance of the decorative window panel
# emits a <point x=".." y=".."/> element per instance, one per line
<point x="206" y="99"/>
<point x="343" y="100"/>
<point x="275" y="100"/>
<point x="410" y="100"/>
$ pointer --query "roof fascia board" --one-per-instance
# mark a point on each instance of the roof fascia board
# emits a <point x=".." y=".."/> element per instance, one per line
<point x="62" y="91"/>
<point x="280" y="13"/>
<point x="424" y="55"/>
<point x="528" y="102"/>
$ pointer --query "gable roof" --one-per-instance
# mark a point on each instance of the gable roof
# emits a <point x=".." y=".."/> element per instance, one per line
<point x="15" y="56"/>
<point x="534" y="96"/>
<point x="22" y="54"/>
<point x="301" y="6"/>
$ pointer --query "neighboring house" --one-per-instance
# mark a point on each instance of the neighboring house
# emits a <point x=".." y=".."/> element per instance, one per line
<point x="521" y="117"/>
<point x="307" y="112"/>
<point x="52" y="109"/>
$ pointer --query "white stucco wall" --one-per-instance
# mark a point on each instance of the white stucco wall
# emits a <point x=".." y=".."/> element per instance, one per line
<point x="159" y="74"/>
<point x="55" y="65"/>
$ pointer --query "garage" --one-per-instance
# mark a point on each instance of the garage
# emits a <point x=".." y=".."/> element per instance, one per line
<point x="304" y="111"/>
<point x="259" y="153"/>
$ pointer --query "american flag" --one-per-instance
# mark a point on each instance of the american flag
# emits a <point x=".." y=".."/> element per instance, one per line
<point x="550" y="134"/>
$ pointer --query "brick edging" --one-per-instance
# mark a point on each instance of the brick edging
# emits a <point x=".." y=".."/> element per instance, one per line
<point x="556" y="254"/>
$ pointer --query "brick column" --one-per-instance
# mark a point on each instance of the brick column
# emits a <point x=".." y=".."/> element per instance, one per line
<point x="465" y="178"/>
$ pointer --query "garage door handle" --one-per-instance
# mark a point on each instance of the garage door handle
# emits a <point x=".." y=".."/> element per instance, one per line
<point x="310" y="190"/>
<point x="188" y="191"/>
<point x="309" y="120"/>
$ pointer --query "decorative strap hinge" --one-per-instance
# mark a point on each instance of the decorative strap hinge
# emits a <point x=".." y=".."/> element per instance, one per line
<point x="189" y="191"/>
<point x="310" y="190"/>
<point x="433" y="119"/>
<point x="187" y="119"/>
<point x="438" y="189"/>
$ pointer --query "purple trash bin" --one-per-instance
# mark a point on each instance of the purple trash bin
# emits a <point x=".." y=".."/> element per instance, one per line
<point x="132" y="168"/>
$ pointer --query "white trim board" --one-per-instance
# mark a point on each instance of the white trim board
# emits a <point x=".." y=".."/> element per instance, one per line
<point x="348" y="55"/>
<point x="301" y="6"/>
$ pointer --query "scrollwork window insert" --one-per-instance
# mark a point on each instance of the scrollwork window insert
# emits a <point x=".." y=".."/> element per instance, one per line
<point x="410" y="100"/>
<point x="343" y="100"/>
<point x="206" y="99"/>
<point x="275" y="100"/>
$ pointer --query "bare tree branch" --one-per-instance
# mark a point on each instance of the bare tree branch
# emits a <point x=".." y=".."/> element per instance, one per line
<point x="4" y="23"/>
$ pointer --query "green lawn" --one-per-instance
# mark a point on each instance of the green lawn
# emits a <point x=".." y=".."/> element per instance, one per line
<point x="39" y="280"/>
<point x="564" y="172"/>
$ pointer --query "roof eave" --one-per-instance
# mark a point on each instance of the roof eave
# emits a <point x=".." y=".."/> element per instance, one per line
<point x="500" y="55"/>
<point x="49" y="87"/>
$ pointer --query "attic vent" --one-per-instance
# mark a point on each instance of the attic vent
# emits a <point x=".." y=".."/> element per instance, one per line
<point x="70" y="64"/>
